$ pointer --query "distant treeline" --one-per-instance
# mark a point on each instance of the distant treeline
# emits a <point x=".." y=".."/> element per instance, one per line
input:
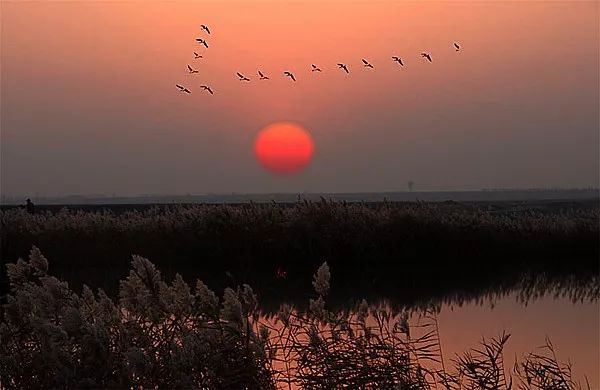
<point x="412" y="252"/>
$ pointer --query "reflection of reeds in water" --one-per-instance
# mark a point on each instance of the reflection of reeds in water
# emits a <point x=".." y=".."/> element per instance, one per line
<point x="377" y="249"/>
<point x="480" y="368"/>
<point x="168" y="336"/>
<point x="375" y="348"/>
<point x="543" y="371"/>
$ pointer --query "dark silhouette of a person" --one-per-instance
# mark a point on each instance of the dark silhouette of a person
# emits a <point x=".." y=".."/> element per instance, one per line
<point x="29" y="206"/>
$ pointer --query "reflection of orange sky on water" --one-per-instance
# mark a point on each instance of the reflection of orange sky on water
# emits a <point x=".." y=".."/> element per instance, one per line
<point x="572" y="328"/>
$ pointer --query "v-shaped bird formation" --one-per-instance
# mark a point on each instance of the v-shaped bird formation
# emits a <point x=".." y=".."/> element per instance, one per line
<point x="427" y="57"/>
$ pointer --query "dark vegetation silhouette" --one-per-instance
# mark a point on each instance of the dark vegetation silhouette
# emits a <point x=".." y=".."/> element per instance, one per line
<point x="170" y="335"/>
<point x="416" y="252"/>
<point x="29" y="206"/>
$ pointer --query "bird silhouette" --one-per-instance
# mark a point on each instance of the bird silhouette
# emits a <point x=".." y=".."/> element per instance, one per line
<point x="367" y="65"/>
<point x="202" y="42"/>
<point x="242" y="77"/>
<point x="192" y="70"/>
<point x="315" y="68"/>
<point x="398" y="60"/>
<point x="456" y="46"/>
<point x="426" y="55"/>
<point x="205" y="28"/>
<point x="207" y="88"/>
<point x="196" y="56"/>
<point x="290" y="75"/>
<point x="262" y="76"/>
<point x="182" y="88"/>
<point x="343" y="67"/>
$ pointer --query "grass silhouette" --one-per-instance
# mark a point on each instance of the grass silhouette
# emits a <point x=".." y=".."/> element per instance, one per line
<point x="421" y="252"/>
<point x="168" y="335"/>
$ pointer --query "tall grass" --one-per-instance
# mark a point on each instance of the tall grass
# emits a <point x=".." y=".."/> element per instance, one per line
<point x="418" y="251"/>
<point x="168" y="335"/>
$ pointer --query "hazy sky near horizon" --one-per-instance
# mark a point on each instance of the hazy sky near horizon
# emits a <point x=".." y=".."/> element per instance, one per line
<point x="89" y="105"/>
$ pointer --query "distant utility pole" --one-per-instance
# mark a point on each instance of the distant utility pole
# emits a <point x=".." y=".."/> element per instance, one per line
<point x="411" y="184"/>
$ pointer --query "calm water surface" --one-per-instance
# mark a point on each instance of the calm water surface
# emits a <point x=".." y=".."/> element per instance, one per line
<point x="573" y="329"/>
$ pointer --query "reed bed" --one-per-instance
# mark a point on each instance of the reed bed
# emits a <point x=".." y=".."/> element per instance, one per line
<point x="421" y="252"/>
<point x="168" y="335"/>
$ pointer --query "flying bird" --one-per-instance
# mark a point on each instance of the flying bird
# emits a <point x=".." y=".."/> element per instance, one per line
<point x="367" y="65"/>
<point x="456" y="46"/>
<point x="398" y="60"/>
<point x="426" y="55"/>
<point x="290" y="75"/>
<point x="315" y="68"/>
<point x="196" y="56"/>
<point x="242" y="77"/>
<point x="205" y="28"/>
<point x="262" y="76"/>
<point x="202" y="42"/>
<point x="207" y="88"/>
<point x="182" y="88"/>
<point x="343" y="67"/>
<point x="192" y="70"/>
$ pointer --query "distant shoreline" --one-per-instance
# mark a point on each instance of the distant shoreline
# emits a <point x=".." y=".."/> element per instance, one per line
<point x="486" y="195"/>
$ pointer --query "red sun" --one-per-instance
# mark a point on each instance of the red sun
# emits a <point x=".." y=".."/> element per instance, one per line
<point x="284" y="148"/>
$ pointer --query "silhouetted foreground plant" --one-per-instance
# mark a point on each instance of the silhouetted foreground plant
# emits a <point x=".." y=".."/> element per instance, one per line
<point x="157" y="335"/>
<point x="544" y="371"/>
<point x="161" y="335"/>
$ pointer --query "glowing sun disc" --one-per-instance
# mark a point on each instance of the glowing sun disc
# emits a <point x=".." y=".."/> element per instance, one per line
<point x="284" y="148"/>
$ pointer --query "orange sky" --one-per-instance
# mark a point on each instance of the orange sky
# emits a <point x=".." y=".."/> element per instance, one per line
<point x="89" y="103"/>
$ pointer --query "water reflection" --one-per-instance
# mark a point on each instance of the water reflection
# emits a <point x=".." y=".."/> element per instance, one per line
<point x="572" y="327"/>
<point x="434" y="340"/>
<point x="327" y="345"/>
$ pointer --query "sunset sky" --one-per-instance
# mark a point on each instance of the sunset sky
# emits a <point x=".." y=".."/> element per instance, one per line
<point x="89" y="104"/>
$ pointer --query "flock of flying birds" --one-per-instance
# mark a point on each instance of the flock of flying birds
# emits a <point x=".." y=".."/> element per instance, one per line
<point x="314" y="68"/>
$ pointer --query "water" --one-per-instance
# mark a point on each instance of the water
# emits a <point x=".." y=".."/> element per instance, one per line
<point x="439" y="266"/>
<point x="572" y="328"/>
